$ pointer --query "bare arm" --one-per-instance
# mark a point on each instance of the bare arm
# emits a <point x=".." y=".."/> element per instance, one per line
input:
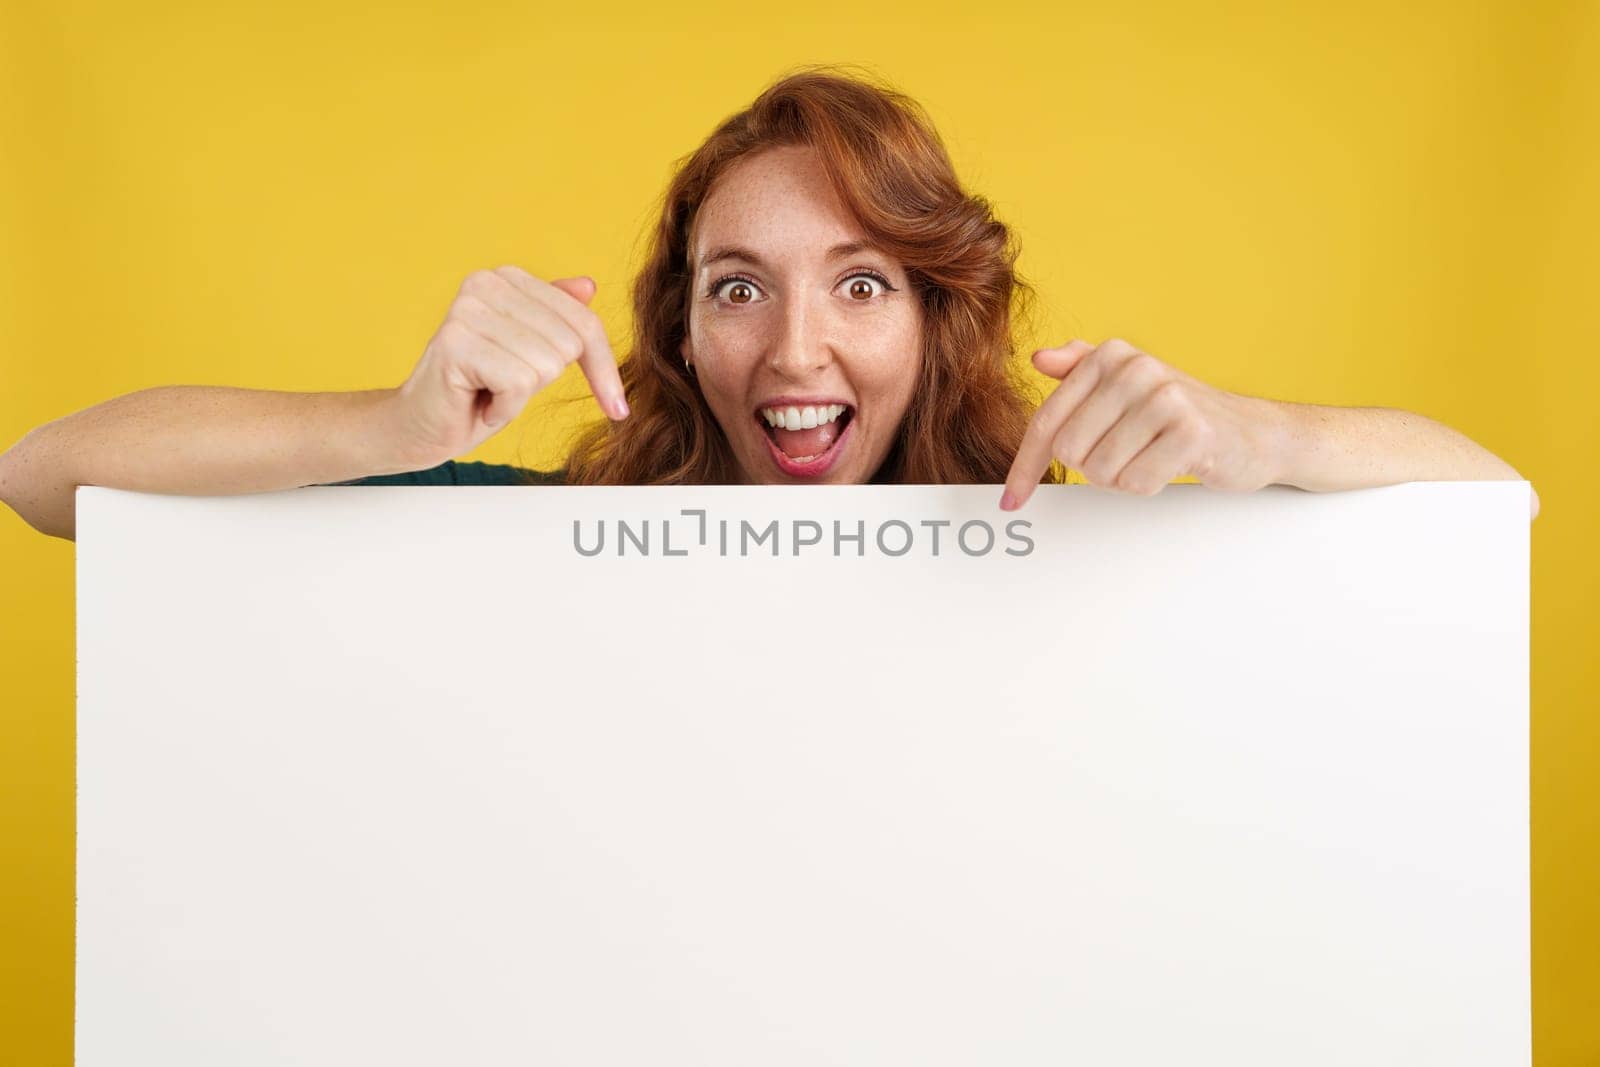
<point x="506" y="336"/>
<point x="200" y="441"/>
<point x="1132" y="422"/>
<point x="1327" y="448"/>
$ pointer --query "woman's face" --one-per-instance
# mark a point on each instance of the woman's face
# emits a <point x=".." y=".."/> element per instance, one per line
<point x="791" y="312"/>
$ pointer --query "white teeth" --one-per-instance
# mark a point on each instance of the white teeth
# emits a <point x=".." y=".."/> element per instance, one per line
<point x="801" y="418"/>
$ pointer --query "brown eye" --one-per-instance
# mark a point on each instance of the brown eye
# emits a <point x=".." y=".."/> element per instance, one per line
<point x="866" y="284"/>
<point x="735" y="291"/>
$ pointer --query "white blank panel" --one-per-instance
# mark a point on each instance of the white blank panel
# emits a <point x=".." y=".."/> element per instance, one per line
<point x="395" y="775"/>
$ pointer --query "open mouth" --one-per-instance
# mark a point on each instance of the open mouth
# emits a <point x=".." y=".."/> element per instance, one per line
<point x="805" y="442"/>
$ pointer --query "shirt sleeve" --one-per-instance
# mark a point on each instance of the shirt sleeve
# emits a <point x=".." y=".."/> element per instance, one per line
<point x="452" y="472"/>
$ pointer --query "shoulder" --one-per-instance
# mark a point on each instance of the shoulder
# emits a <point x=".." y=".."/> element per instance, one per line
<point x="452" y="472"/>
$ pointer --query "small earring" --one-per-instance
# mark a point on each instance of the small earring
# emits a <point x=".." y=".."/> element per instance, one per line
<point x="689" y="367"/>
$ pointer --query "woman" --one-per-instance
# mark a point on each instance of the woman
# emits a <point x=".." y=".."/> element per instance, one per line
<point x="822" y="303"/>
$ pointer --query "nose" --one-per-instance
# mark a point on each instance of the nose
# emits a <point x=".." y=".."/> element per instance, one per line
<point x="801" y="347"/>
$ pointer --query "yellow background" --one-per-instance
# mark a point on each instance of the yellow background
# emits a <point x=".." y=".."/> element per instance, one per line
<point x="1388" y="205"/>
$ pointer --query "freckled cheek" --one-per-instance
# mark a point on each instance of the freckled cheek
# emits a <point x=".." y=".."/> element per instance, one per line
<point x="887" y="375"/>
<point x="730" y="341"/>
<point x="724" y="354"/>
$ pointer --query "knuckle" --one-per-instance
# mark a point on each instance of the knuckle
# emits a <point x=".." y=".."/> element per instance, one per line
<point x="454" y="334"/>
<point x="1140" y="367"/>
<point x="1172" y="390"/>
<point x="511" y="273"/>
<point x="568" y="344"/>
<point x="1169" y="399"/>
<point x="515" y="382"/>
<point x="529" y="379"/>
<point x="476" y="283"/>
<point x="472" y="301"/>
<point x="1034" y="434"/>
<point x="594" y="330"/>
<point x="549" y="372"/>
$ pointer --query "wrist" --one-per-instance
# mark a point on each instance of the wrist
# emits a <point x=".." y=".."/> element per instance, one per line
<point x="376" y="441"/>
<point x="1286" y="439"/>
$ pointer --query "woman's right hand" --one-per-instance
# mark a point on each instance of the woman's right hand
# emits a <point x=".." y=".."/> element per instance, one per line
<point x="506" y="336"/>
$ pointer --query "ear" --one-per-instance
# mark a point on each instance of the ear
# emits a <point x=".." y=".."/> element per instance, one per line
<point x="683" y="348"/>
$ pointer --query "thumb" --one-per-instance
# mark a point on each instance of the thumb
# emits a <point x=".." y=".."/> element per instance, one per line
<point x="581" y="288"/>
<point x="1058" y="362"/>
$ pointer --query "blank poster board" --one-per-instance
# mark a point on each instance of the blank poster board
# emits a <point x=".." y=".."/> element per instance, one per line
<point x="803" y="775"/>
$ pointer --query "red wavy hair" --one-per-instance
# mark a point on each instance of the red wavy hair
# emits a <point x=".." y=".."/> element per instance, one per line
<point x="891" y="171"/>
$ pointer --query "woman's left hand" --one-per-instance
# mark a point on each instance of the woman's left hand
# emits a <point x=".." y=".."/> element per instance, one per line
<point x="1128" y="421"/>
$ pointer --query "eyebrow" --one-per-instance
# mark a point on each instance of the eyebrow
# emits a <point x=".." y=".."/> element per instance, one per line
<point x="848" y="248"/>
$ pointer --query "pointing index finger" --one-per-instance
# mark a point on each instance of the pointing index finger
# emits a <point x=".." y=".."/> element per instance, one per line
<point x="1034" y="455"/>
<point x="598" y="362"/>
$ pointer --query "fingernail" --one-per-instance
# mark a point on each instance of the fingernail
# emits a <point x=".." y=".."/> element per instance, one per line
<point x="1008" y="502"/>
<point x="619" y="407"/>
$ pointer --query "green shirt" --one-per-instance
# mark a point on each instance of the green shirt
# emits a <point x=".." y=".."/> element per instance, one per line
<point x="451" y="472"/>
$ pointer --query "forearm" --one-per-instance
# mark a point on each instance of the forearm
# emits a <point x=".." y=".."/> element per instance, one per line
<point x="1327" y="448"/>
<point x="195" y="440"/>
